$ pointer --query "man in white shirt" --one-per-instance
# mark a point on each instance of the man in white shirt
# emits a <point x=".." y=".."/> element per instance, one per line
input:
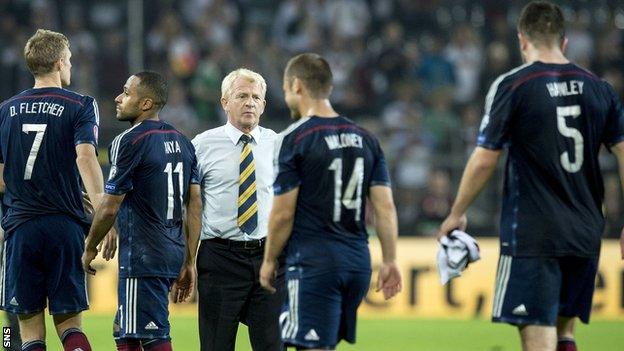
<point x="235" y="164"/>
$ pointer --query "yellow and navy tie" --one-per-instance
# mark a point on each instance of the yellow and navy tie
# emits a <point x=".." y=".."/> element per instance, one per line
<point x="247" y="199"/>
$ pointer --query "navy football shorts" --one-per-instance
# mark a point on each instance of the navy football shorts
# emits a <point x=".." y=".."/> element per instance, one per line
<point x="42" y="261"/>
<point x="320" y="310"/>
<point x="142" y="311"/>
<point x="536" y="290"/>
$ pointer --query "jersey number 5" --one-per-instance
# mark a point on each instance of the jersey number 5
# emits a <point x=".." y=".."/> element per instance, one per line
<point x="352" y="198"/>
<point x="34" y="150"/>
<point x="566" y="160"/>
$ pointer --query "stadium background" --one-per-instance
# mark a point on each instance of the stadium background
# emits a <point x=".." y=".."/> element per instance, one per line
<point x="414" y="72"/>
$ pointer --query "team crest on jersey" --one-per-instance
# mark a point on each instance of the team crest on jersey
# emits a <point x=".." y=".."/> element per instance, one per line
<point x="95" y="132"/>
<point x="112" y="173"/>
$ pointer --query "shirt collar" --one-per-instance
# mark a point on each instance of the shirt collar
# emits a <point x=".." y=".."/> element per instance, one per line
<point x="234" y="133"/>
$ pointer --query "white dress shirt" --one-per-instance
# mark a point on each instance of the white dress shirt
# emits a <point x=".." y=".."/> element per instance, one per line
<point x="218" y="156"/>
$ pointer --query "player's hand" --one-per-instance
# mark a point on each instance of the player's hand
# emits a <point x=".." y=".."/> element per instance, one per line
<point x="87" y="204"/>
<point x="389" y="280"/>
<point x="268" y="273"/>
<point x="451" y="223"/>
<point x="185" y="284"/>
<point x="88" y="256"/>
<point x="108" y="246"/>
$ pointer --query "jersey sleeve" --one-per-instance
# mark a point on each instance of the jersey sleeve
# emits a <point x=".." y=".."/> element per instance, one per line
<point x="380" y="174"/>
<point x="194" y="169"/>
<point x="614" y="126"/>
<point x="287" y="175"/>
<point x="87" y="123"/>
<point x="124" y="158"/>
<point x="494" y="130"/>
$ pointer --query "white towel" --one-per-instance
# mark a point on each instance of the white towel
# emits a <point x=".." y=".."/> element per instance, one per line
<point x="455" y="252"/>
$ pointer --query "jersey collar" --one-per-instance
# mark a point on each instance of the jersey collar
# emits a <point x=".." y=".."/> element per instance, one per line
<point x="234" y="134"/>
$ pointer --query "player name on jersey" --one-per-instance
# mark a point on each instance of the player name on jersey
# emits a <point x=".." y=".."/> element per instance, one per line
<point x="172" y="147"/>
<point x="343" y="140"/>
<point x="37" y="108"/>
<point x="567" y="88"/>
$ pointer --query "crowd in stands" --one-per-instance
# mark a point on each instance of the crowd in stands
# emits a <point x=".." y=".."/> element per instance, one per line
<point x="414" y="72"/>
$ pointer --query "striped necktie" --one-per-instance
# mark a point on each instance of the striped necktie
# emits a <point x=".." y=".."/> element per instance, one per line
<point x="247" y="200"/>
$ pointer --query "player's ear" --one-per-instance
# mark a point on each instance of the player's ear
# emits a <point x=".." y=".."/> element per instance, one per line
<point x="297" y="85"/>
<point x="147" y="104"/>
<point x="563" y="44"/>
<point x="523" y="41"/>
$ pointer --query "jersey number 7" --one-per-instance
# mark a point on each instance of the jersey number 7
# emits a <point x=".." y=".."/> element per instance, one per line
<point x="34" y="150"/>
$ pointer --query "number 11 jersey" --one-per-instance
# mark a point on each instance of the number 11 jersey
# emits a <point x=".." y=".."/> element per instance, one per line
<point x="154" y="165"/>
<point x="334" y="162"/>
<point x="553" y="119"/>
<point x="39" y="131"/>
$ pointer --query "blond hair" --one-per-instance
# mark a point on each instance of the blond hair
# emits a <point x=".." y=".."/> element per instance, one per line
<point x="43" y="50"/>
<point x="228" y="81"/>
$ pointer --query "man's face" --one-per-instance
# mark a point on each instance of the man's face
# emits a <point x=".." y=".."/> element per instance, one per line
<point x="128" y="101"/>
<point x="66" y="68"/>
<point x="291" y="98"/>
<point x="244" y="104"/>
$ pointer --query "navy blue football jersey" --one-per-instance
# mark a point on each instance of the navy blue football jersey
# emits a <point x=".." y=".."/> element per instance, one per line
<point x="553" y="118"/>
<point x="39" y="130"/>
<point x="154" y="165"/>
<point x="334" y="162"/>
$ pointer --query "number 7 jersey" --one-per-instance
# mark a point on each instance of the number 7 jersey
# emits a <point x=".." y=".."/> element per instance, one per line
<point x="553" y="119"/>
<point x="153" y="165"/>
<point x="334" y="162"/>
<point x="39" y="131"/>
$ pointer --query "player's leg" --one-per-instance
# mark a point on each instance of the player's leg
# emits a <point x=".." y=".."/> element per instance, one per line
<point x="565" y="334"/>
<point x="527" y="296"/>
<point x="32" y="331"/>
<point x="356" y="285"/>
<point x="310" y="318"/>
<point x="577" y="290"/>
<point x="23" y="282"/>
<point x="537" y="338"/>
<point x="69" y="329"/>
<point x="263" y="309"/>
<point x="66" y="286"/>
<point x="224" y="282"/>
<point x="120" y="323"/>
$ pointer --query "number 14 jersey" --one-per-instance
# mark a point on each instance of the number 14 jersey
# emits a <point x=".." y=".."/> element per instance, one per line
<point x="334" y="162"/>
<point x="154" y="165"/>
<point x="553" y="119"/>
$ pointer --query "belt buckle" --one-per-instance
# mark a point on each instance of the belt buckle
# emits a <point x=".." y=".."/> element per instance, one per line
<point x="249" y="244"/>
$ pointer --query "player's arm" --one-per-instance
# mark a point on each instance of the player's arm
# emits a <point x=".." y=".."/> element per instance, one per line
<point x="90" y="172"/>
<point x="281" y="222"/>
<point x="103" y="221"/>
<point x="185" y="283"/>
<point x="478" y="171"/>
<point x="389" y="279"/>
<point x="618" y="151"/>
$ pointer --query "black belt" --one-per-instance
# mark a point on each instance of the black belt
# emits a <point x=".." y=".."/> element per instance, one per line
<point x="237" y="244"/>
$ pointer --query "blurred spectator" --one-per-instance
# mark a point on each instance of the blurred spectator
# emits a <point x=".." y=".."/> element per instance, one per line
<point x="435" y="203"/>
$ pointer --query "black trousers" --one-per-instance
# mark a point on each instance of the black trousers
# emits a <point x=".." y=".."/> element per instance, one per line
<point x="230" y="292"/>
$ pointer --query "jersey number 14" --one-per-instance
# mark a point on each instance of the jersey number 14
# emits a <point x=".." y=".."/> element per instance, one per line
<point x="352" y="198"/>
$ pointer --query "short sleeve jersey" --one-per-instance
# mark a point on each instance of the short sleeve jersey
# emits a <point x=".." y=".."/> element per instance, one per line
<point x="153" y="165"/>
<point x="39" y="131"/>
<point x="553" y="119"/>
<point x="334" y="162"/>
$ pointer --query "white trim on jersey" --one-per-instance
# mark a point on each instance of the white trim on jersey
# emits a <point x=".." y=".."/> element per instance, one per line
<point x="502" y="279"/>
<point x="280" y="139"/>
<point x="489" y="98"/>
<point x="115" y="145"/>
<point x="96" y="111"/>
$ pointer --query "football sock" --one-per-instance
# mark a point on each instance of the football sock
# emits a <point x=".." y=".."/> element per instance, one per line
<point x="35" y="345"/>
<point x="74" y="339"/>
<point x="128" y="344"/>
<point x="157" y="345"/>
<point x="566" y="345"/>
